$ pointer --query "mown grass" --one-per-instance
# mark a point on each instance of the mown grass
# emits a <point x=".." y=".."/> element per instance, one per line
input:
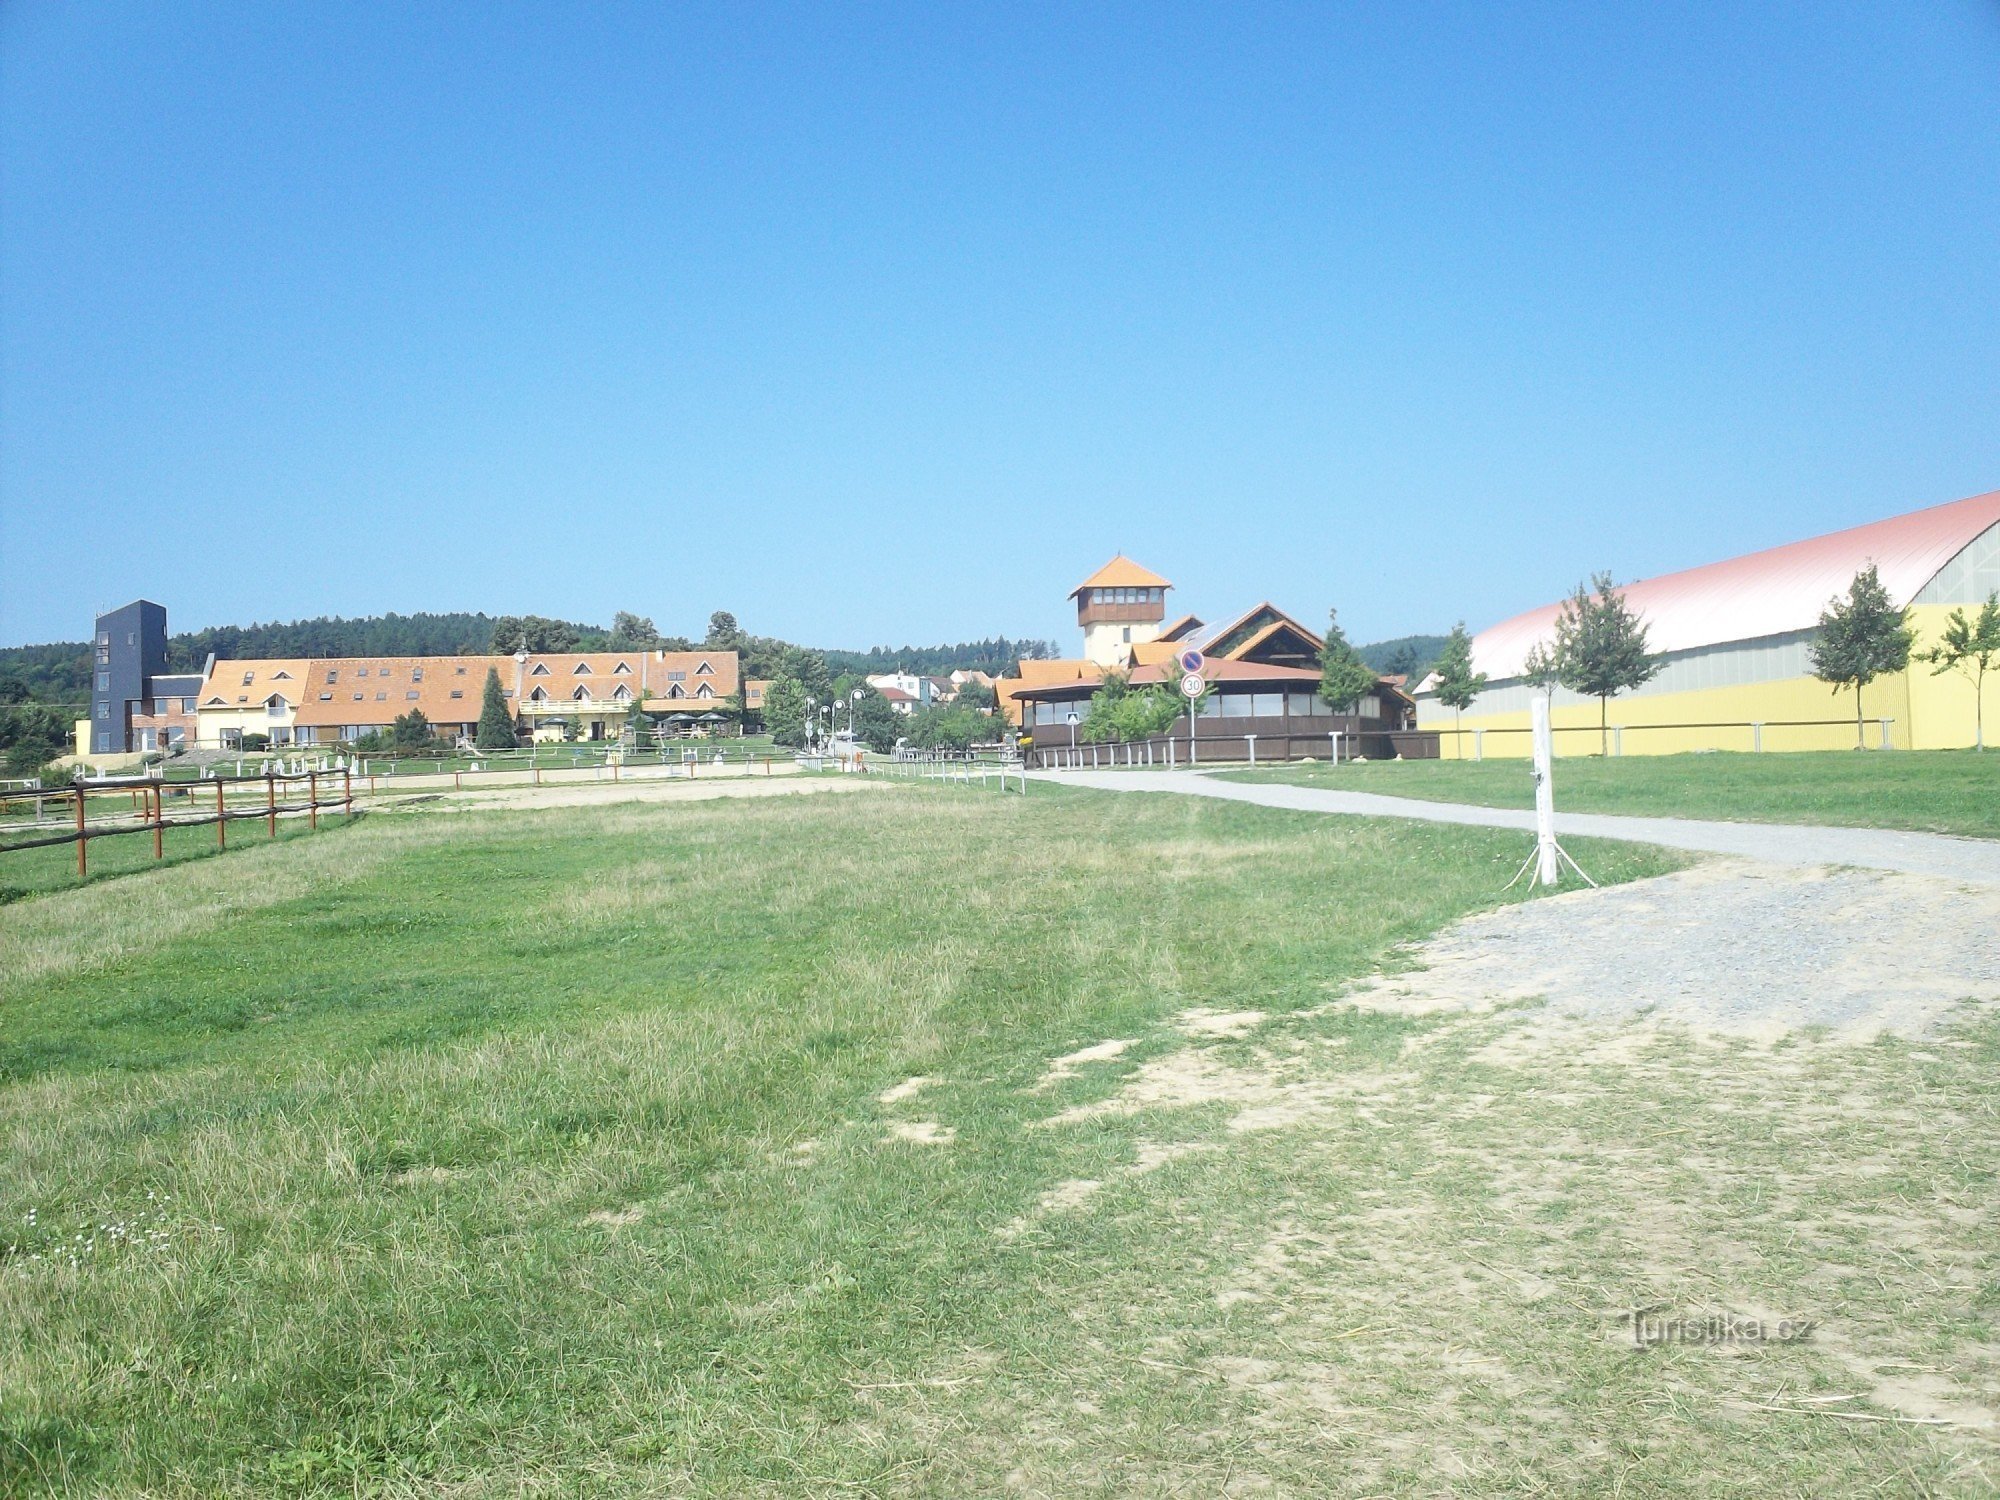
<point x="33" y="872"/>
<point x="544" y="1152"/>
<point x="1938" y="791"/>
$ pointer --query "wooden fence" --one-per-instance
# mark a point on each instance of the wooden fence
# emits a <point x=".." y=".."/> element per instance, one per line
<point x="127" y="806"/>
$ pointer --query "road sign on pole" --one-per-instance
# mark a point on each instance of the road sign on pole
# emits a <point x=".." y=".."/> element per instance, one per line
<point x="1192" y="660"/>
<point x="1192" y="685"/>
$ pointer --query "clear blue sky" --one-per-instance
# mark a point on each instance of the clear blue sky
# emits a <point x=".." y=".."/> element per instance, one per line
<point x="887" y="324"/>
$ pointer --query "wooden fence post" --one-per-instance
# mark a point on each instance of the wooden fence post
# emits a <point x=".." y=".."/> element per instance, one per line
<point x="271" y="801"/>
<point x="82" y="837"/>
<point x="312" y="798"/>
<point x="221" y="818"/>
<point x="160" y="819"/>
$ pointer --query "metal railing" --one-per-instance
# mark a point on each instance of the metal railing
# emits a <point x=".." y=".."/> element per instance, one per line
<point x="1752" y="731"/>
<point x="1176" y="752"/>
<point x="954" y="767"/>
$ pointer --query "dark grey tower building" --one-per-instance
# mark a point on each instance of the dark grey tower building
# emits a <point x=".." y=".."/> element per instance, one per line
<point x="129" y="650"/>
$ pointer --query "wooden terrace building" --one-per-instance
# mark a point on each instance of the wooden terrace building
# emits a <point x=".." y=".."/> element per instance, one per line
<point x="1262" y="668"/>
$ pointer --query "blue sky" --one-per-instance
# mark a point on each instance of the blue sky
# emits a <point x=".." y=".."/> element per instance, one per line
<point x="881" y="324"/>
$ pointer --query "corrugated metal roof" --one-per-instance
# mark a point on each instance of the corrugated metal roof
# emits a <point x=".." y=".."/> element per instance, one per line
<point x="1766" y="593"/>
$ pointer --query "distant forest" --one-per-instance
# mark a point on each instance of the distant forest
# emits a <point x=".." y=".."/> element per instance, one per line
<point x="59" y="673"/>
<point x="1410" y="655"/>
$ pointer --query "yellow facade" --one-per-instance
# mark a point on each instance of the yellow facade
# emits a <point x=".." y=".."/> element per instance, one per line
<point x="1927" y="711"/>
<point x="215" y="727"/>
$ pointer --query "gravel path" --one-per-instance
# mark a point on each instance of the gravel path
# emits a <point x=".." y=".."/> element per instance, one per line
<point x="1862" y="930"/>
<point x="1753" y="949"/>
<point x="1938" y="855"/>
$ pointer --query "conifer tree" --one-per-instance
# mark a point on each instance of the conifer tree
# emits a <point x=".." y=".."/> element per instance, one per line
<point x="496" y="720"/>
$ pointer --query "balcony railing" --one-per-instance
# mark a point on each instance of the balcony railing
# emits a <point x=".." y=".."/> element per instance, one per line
<point x="575" y="706"/>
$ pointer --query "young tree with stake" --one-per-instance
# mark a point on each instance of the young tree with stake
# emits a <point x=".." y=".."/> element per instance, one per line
<point x="1861" y="637"/>
<point x="1457" y="684"/>
<point x="1972" y="647"/>
<point x="1601" y="648"/>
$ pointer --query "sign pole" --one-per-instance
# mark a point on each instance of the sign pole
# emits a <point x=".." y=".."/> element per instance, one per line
<point x="1194" y="682"/>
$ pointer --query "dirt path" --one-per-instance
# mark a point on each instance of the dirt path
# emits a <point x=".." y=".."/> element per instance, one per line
<point x="605" y="793"/>
<point x="1933" y="854"/>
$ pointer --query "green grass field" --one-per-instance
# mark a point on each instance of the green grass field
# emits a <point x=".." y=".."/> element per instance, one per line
<point x="864" y="1143"/>
<point x="1939" y="791"/>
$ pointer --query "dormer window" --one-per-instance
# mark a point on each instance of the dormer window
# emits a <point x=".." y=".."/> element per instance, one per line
<point x="539" y="695"/>
<point x="624" y="694"/>
<point x="704" y="670"/>
<point x="541" y="670"/>
<point x="281" y="675"/>
<point x="674" y="691"/>
<point x="704" y="691"/>
<point x="581" y="669"/>
<point x="581" y="695"/>
<point x="623" y="669"/>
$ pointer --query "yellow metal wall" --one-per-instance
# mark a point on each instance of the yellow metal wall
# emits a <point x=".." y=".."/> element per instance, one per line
<point x="1941" y="705"/>
<point x="1929" y="713"/>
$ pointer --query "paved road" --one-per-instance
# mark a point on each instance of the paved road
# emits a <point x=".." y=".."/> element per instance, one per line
<point x="1935" y="854"/>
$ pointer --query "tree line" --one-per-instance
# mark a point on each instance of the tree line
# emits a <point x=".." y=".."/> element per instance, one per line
<point x="57" y="674"/>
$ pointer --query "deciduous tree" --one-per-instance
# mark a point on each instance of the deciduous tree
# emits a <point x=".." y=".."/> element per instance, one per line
<point x="1344" y="676"/>
<point x="1971" y="646"/>
<point x="785" y="712"/>
<point x="1457" y="684"/>
<point x="1601" y="648"/>
<point x="1861" y="637"/>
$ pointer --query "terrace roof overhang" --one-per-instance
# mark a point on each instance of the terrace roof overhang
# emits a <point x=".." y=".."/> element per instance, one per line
<point x="1220" y="674"/>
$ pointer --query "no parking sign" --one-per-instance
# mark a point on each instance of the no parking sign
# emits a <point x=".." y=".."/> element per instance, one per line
<point x="1192" y="682"/>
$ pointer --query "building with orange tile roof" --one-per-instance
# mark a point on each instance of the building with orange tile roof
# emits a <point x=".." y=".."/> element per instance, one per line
<point x="1261" y="669"/>
<point x="1119" y="606"/>
<point x="552" y="695"/>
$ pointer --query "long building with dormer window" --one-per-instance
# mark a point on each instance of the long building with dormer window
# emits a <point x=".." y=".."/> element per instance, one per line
<point x="137" y="705"/>
<point x="581" y="695"/>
